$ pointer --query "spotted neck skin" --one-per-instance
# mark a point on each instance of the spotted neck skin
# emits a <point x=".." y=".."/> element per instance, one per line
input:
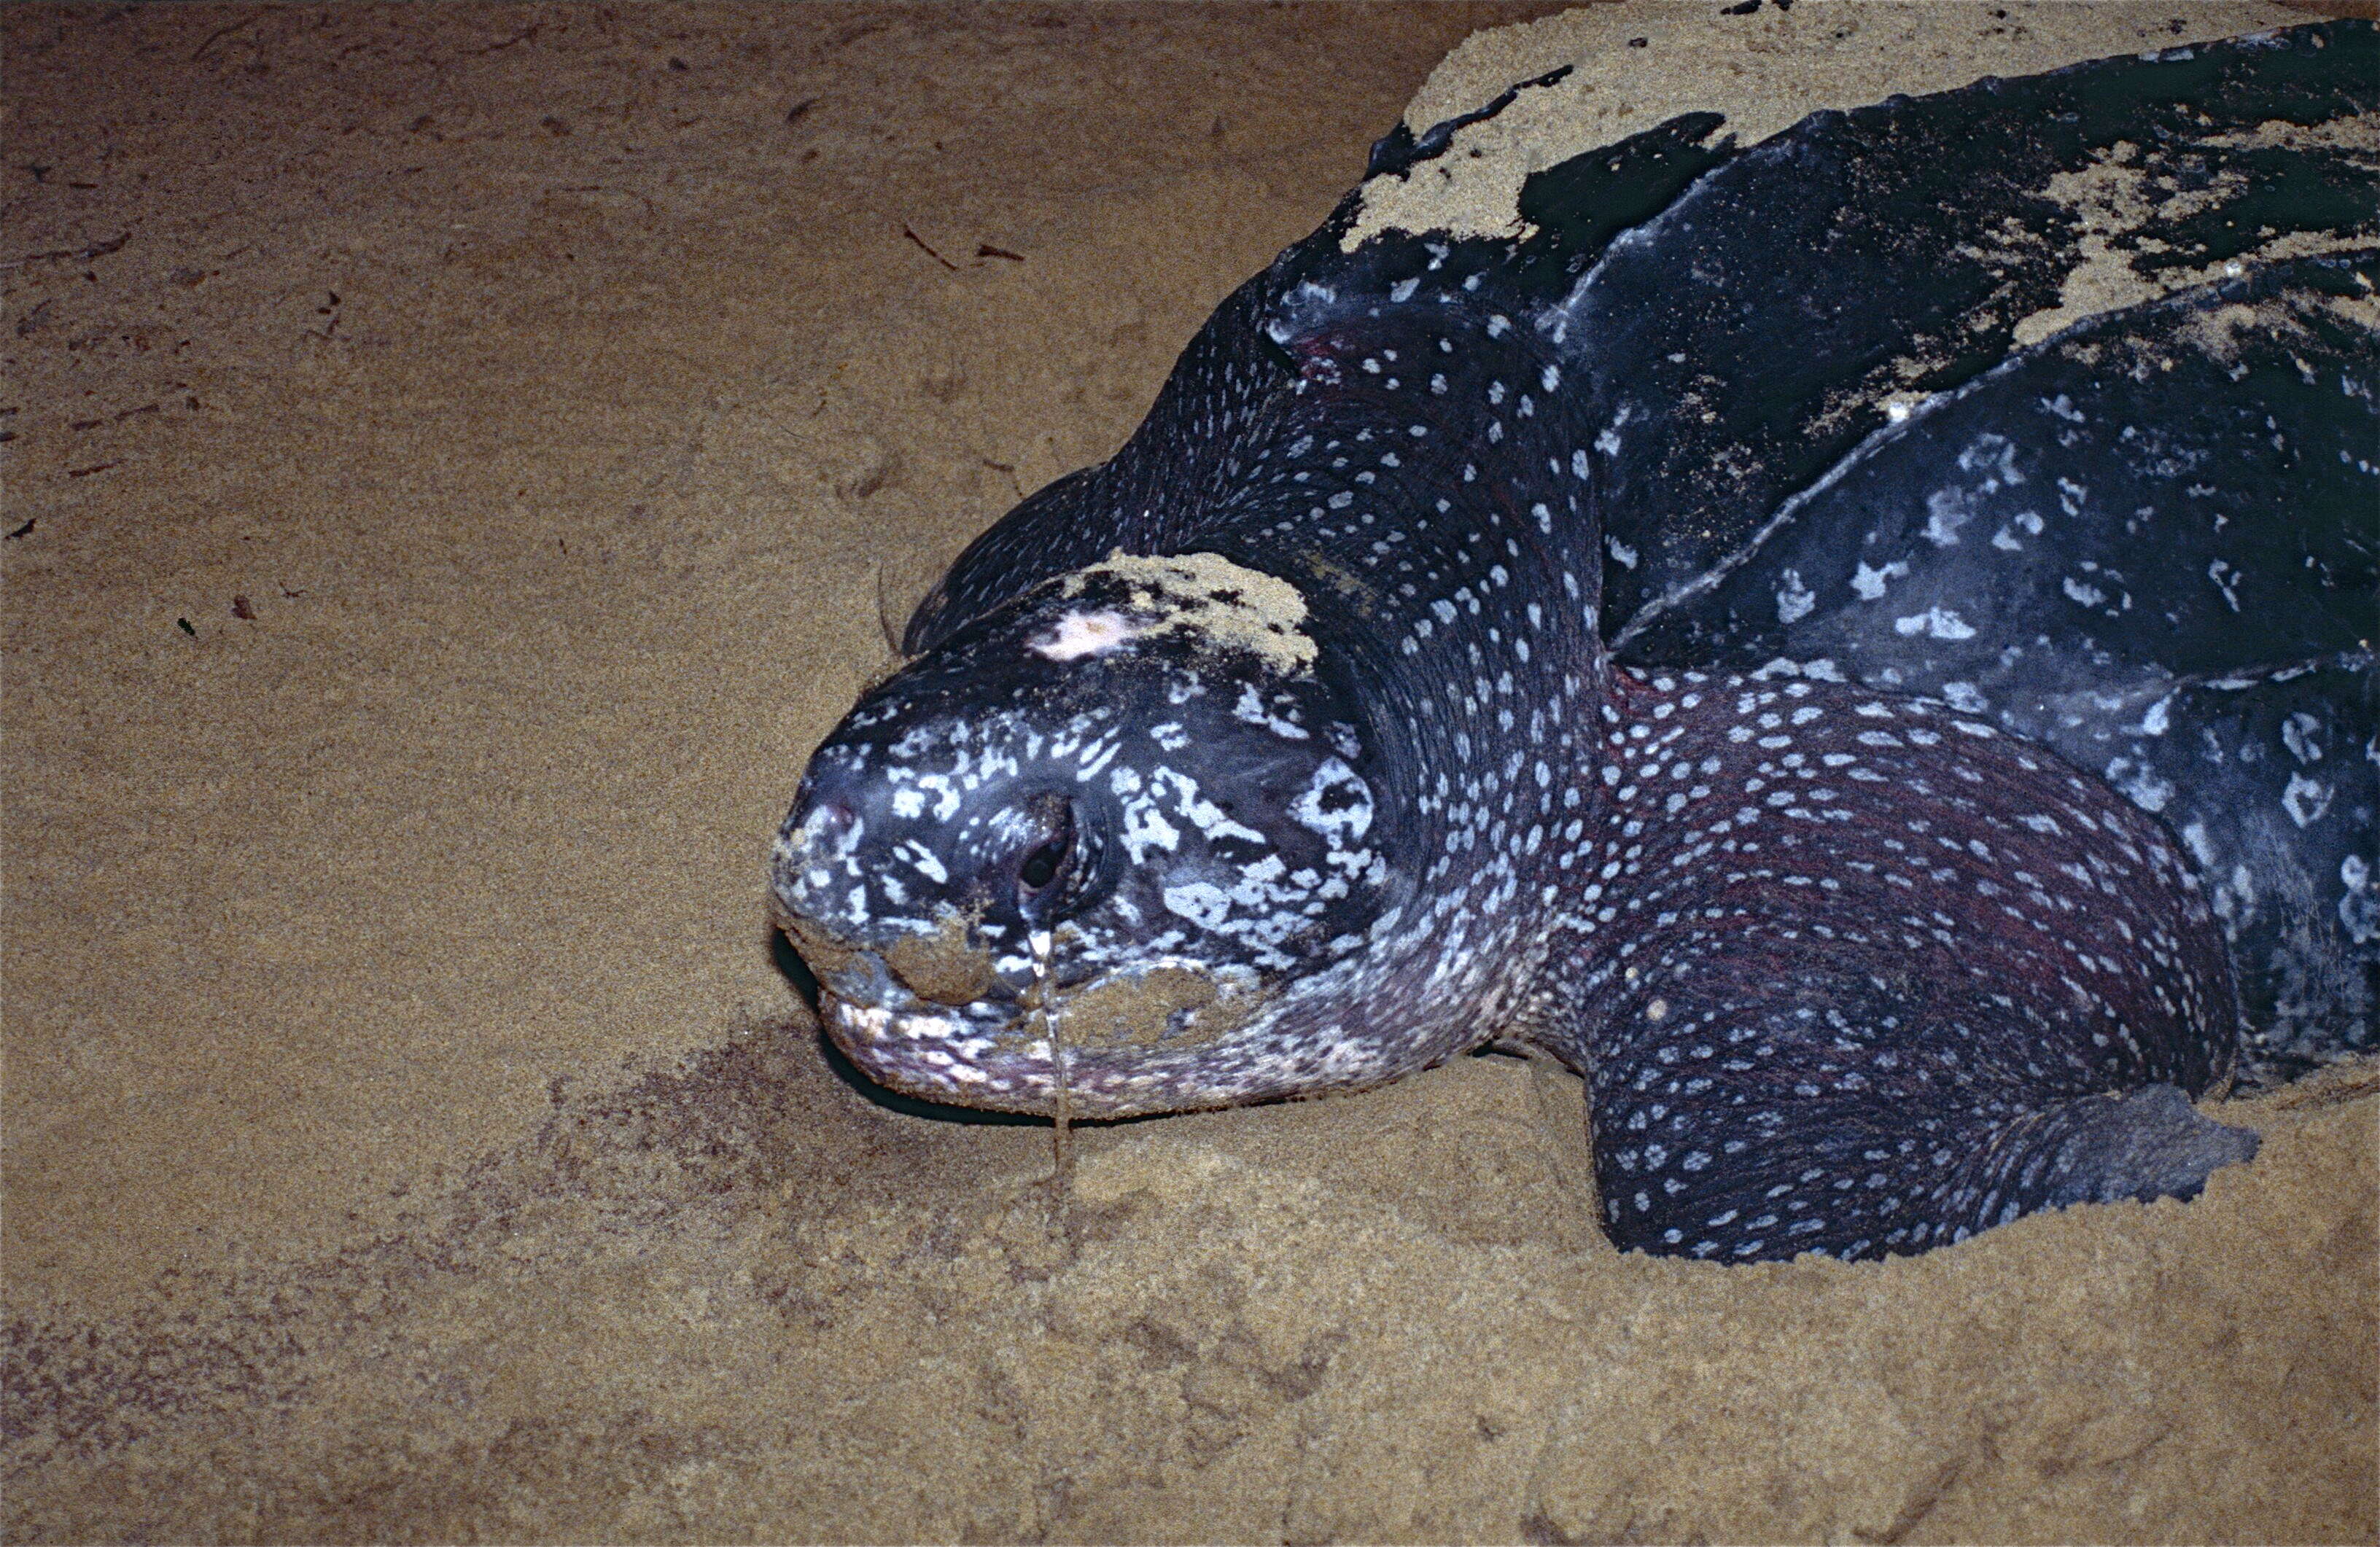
<point x="1393" y="468"/>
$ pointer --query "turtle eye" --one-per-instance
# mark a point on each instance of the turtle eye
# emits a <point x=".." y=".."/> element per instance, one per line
<point x="1048" y="862"/>
<point x="1041" y="866"/>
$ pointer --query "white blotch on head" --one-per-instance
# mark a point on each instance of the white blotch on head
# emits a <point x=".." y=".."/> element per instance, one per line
<point x="1082" y="635"/>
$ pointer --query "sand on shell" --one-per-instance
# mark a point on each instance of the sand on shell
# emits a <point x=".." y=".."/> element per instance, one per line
<point x="535" y="415"/>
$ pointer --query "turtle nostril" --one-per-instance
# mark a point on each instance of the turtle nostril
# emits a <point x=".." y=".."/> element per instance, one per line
<point x="827" y="820"/>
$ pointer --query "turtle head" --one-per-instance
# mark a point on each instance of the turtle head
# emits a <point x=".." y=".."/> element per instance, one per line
<point x="1129" y="803"/>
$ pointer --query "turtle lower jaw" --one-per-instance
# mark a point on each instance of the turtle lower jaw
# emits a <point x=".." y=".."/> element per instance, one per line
<point x="929" y="1051"/>
<point x="899" y="1038"/>
<point x="937" y="1054"/>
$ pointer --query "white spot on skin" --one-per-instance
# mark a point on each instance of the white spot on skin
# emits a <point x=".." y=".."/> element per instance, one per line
<point x="2226" y="580"/>
<point x="868" y="1021"/>
<point x="1346" y="822"/>
<point x="2005" y="540"/>
<point x="1870" y="583"/>
<point x="1082" y="635"/>
<point x="1946" y="512"/>
<point x="2358" y="910"/>
<point x="1937" y="623"/>
<point x="2301" y="733"/>
<point x="1995" y="457"/>
<point x="1202" y="902"/>
<point x="1146" y="828"/>
<point x="1201" y="812"/>
<point x="1794" y="600"/>
<point x="2136" y="784"/>
<point x="2305" y="800"/>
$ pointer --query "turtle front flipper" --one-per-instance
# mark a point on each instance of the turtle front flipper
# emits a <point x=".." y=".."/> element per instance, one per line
<point x="2142" y="1145"/>
<point x="1859" y="974"/>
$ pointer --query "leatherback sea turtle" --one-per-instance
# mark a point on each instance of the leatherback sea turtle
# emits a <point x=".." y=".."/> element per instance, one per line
<point x="1889" y="754"/>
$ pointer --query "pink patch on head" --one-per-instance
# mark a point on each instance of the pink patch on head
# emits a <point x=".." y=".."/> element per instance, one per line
<point x="1079" y="634"/>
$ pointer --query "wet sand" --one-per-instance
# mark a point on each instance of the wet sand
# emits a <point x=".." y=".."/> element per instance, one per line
<point x="464" y="459"/>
